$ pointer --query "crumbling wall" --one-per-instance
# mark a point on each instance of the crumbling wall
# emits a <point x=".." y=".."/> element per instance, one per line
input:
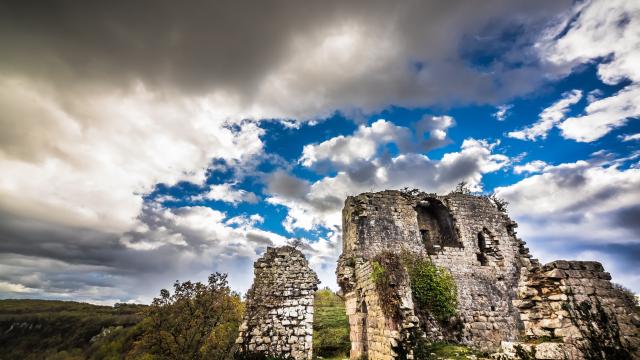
<point x="504" y="295"/>
<point x="549" y="300"/>
<point x="279" y="309"/>
<point x="373" y="335"/>
<point x="445" y="228"/>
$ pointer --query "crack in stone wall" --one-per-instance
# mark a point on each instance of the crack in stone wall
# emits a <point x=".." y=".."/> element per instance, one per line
<point x="279" y="309"/>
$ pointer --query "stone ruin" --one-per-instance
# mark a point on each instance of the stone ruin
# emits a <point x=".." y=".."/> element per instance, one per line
<point x="505" y="297"/>
<point x="278" y="320"/>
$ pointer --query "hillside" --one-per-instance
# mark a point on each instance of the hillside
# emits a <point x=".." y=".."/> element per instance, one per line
<point x="57" y="330"/>
<point x="330" y="326"/>
<point x="44" y="329"/>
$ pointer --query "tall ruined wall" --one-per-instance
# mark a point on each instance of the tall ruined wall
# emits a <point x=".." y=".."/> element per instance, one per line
<point x="504" y="295"/>
<point x="448" y="229"/>
<point x="279" y="314"/>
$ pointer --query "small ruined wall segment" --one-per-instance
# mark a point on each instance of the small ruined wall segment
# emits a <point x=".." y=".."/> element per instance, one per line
<point x="494" y="273"/>
<point x="279" y="314"/>
<point x="543" y="300"/>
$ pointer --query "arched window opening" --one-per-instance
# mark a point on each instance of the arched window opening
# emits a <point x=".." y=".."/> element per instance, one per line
<point x="436" y="226"/>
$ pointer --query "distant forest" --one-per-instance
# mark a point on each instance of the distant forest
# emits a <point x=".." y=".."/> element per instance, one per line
<point x="195" y="321"/>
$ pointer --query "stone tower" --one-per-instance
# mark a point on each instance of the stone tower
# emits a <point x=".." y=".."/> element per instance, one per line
<point x="503" y="294"/>
<point x="279" y="313"/>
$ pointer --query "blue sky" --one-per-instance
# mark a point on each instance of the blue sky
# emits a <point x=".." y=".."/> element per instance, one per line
<point x="135" y="153"/>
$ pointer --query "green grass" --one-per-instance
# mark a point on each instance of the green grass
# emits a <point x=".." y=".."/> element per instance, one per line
<point x="442" y="350"/>
<point x="330" y="326"/>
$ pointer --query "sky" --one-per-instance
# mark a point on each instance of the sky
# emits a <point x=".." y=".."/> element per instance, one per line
<point x="144" y="142"/>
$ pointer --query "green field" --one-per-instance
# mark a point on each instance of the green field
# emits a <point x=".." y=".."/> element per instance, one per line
<point x="330" y="327"/>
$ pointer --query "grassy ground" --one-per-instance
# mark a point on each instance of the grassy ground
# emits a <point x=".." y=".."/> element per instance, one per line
<point x="330" y="327"/>
<point x="440" y="350"/>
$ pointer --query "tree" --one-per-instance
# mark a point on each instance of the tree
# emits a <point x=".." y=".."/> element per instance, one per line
<point x="462" y="188"/>
<point x="197" y="321"/>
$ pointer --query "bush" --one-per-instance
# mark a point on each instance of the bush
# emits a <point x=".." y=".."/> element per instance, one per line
<point x="199" y="321"/>
<point x="433" y="288"/>
<point x="387" y="274"/>
<point x="627" y="295"/>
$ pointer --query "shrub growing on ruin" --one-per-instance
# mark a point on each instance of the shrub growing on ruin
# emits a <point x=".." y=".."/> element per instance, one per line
<point x="433" y="288"/>
<point x="627" y="295"/>
<point x="387" y="274"/>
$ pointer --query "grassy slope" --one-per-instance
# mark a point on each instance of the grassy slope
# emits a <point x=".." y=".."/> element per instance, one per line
<point x="330" y="326"/>
<point x="40" y="329"/>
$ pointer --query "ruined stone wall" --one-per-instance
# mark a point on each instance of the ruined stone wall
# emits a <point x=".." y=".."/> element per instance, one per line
<point x="487" y="269"/>
<point x="279" y="313"/>
<point x="504" y="295"/>
<point x="373" y="335"/>
<point x="486" y="278"/>
<point x="543" y="301"/>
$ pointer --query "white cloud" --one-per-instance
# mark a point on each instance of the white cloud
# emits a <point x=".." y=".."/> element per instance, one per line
<point x="530" y="167"/>
<point x="608" y="30"/>
<point x="11" y="288"/>
<point x="87" y="159"/>
<point x="502" y="111"/>
<point x="575" y="200"/>
<point x="366" y="142"/>
<point x="631" y="137"/>
<point x="362" y="145"/>
<point x="548" y="118"/>
<point x="604" y="115"/>
<point x="227" y="193"/>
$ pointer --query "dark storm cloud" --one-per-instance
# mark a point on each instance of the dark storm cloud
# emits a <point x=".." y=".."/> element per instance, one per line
<point x="199" y="45"/>
<point x="53" y="260"/>
<point x="629" y="218"/>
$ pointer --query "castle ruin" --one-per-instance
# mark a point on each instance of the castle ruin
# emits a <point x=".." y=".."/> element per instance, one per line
<point x="505" y="296"/>
<point x="278" y="321"/>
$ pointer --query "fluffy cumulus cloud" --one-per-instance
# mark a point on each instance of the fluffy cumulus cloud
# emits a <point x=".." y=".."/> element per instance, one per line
<point x="549" y="117"/>
<point x="597" y="30"/>
<point x="530" y="167"/>
<point x="585" y="208"/>
<point x="47" y="259"/>
<point x="366" y="143"/>
<point x="227" y="193"/>
<point x="87" y="160"/>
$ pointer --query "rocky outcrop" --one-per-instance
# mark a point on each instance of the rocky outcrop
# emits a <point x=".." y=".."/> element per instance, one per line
<point x="279" y="316"/>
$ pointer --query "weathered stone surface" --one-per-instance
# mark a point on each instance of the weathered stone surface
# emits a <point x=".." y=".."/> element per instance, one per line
<point x="279" y="314"/>
<point x="504" y="294"/>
